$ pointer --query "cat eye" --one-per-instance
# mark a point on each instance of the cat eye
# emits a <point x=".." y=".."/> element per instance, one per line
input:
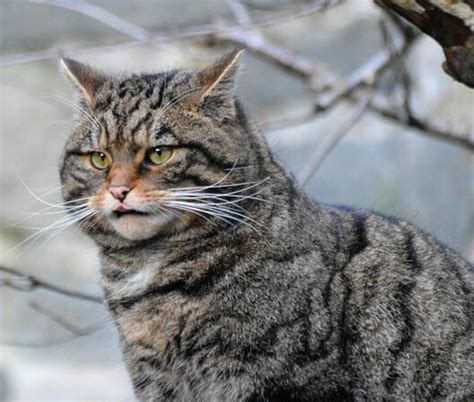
<point x="160" y="155"/>
<point x="100" y="160"/>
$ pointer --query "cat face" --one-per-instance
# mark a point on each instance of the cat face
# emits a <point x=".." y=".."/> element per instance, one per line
<point x="150" y="149"/>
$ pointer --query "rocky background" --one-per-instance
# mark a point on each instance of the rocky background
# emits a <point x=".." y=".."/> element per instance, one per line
<point x="58" y="348"/>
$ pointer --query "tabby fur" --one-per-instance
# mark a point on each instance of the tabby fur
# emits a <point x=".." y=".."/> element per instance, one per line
<point x="290" y="300"/>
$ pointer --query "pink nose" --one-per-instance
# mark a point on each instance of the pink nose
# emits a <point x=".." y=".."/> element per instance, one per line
<point x="119" y="192"/>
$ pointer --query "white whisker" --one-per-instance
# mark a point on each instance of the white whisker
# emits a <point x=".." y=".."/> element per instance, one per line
<point x="93" y="120"/>
<point x="217" y="211"/>
<point x="63" y="205"/>
<point x="251" y="184"/>
<point x="199" y="212"/>
<point x="173" y="101"/>
<point x="59" y="225"/>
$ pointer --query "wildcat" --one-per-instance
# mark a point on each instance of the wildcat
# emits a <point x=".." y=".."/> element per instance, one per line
<point x="227" y="283"/>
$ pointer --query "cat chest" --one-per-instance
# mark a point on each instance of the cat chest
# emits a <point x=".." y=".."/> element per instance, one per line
<point x="161" y="326"/>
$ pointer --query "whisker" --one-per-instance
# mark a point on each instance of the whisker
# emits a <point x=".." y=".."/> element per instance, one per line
<point x="199" y="212"/>
<point x="222" y="196"/>
<point x="167" y="212"/>
<point x="173" y="101"/>
<point x="67" y="225"/>
<point x="41" y="200"/>
<point x="250" y="184"/>
<point x="92" y="119"/>
<point x="62" y="223"/>
<point x="218" y="208"/>
<point x="46" y="193"/>
<point x="240" y="167"/>
<point x="17" y="223"/>
<point x="218" y="212"/>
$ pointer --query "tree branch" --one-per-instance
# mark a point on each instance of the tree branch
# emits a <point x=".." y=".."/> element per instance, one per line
<point x="197" y="32"/>
<point x="75" y="331"/>
<point x="450" y="24"/>
<point x="99" y="14"/>
<point x="385" y="59"/>
<point x="28" y="283"/>
<point x="315" y="74"/>
<point x="331" y="141"/>
<point x="426" y="127"/>
<point x="61" y="321"/>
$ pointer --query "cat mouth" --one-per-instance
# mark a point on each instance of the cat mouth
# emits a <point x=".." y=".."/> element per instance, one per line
<point x="122" y="210"/>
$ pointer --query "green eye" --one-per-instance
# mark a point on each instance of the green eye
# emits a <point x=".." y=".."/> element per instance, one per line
<point x="100" y="160"/>
<point x="160" y="155"/>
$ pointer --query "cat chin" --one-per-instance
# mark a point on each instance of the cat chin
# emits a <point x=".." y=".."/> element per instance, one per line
<point x="139" y="227"/>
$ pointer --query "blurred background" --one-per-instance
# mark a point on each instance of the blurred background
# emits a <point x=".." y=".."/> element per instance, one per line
<point x="338" y="114"/>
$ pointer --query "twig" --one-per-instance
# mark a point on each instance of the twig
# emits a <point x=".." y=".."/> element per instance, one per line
<point x="99" y="14"/>
<point x="426" y="127"/>
<point x="61" y="321"/>
<point x="76" y="332"/>
<point x="421" y="126"/>
<point x="196" y="32"/>
<point x="40" y="344"/>
<point x="28" y="283"/>
<point x="330" y="142"/>
<point x="240" y="12"/>
<point x="310" y="71"/>
<point x="365" y="74"/>
<point x="293" y="63"/>
<point x="377" y="65"/>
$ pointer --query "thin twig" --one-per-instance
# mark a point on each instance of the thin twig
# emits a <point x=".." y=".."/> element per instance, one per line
<point x="28" y="283"/>
<point x="312" y="72"/>
<point x="58" y="319"/>
<point x="99" y="14"/>
<point x="331" y="141"/>
<point x="366" y="73"/>
<point x="389" y="57"/>
<point x="426" y="127"/>
<point x="198" y="32"/>
<point x="76" y="332"/>
<point x="40" y="344"/>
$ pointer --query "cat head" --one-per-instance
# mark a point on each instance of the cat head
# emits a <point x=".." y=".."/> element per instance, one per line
<point x="153" y="153"/>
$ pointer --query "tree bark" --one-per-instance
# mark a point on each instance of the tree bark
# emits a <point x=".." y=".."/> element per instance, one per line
<point x="450" y="23"/>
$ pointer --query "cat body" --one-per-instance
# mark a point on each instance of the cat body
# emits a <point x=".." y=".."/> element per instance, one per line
<point x="237" y="286"/>
<point x="345" y="308"/>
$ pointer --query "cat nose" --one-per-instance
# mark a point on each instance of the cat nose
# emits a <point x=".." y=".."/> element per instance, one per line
<point x="119" y="192"/>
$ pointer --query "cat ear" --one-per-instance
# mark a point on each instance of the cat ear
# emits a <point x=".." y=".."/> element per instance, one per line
<point x="217" y="83"/>
<point x="87" y="80"/>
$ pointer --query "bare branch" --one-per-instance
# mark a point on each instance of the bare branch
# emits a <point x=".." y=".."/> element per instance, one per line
<point x="450" y="24"/>
<point x="198" y="32"/>
<point x="76" y="332"/>
<point x="316" y="75"/>
<point x="240" y="12"/>
<point x="426" y="127"/>
<point x="389" y="57"/>
<point x="50" y="342"/>
<point x="28" y="283"/>
<point x="331" y="141"/>
<point x="99" y="14"/>
<point x="367" y="73"/>
<point x="61" y="321"/>
<point x="39" y="344"/>
<point x="421" y="126"/>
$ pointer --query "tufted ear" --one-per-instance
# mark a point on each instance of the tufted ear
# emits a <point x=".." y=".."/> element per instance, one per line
<point x="217" y="83"/>
<point x="87" y="80"/>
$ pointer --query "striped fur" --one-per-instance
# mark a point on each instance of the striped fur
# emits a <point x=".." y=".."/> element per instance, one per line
<point x="289" y="301"/>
